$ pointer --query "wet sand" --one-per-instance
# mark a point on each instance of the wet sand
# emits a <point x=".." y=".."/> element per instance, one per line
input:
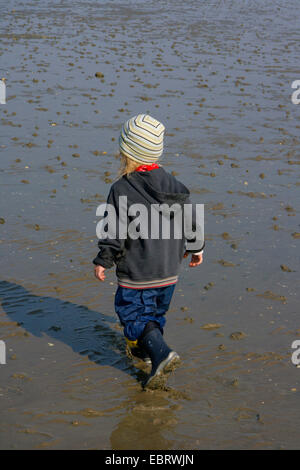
<point x="219" y="78"/>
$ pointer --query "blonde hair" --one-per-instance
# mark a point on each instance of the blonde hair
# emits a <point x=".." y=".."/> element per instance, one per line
<point x="127" y="165"/>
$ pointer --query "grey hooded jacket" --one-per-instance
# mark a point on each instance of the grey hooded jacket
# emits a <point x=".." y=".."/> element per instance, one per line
<point x="146" y="254"/>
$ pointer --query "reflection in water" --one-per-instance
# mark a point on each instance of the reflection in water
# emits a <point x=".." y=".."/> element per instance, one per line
<point x="148" y="419"/>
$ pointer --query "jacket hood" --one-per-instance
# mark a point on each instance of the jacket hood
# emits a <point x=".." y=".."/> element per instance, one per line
<point x="159" y="187"/>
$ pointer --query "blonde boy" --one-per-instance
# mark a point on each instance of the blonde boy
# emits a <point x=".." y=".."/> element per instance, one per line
<point x="147" y="266"/>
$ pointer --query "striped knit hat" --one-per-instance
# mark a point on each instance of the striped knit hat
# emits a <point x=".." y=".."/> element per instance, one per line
<point x="142" y="139"/>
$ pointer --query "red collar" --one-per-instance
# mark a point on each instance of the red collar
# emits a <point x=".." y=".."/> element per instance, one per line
<point x="153" y="166"/>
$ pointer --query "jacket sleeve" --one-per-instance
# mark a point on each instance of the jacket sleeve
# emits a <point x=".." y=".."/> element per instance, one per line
<point x="111" y="246"/>
<point x="194" y="228"/>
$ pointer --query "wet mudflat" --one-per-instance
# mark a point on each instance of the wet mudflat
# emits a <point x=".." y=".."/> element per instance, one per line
<point x="219" y="77"/>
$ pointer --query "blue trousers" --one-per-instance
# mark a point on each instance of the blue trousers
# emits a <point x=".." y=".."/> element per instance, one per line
<point x="136" y="307"/>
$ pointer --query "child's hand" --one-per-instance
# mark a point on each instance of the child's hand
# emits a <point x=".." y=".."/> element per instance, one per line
<point x="99" y="272"/>
<point x="195" y="259"/>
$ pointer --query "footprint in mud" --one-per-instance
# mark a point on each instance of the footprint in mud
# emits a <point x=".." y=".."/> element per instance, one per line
<point x="238" y="335"/>
<point x="211" y="326"/>
<point x="225" y="236"/>
<point x="226" y="263"/>
<point x="268" y="294"/>
<point x="286" y="269"/>
<point x="209" y="285"/>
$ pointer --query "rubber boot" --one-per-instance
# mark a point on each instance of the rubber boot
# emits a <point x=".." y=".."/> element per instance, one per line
<point x="137" y="351"/>
<point x="163" y="359"/>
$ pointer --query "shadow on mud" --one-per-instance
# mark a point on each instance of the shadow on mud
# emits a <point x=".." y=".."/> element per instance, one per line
<point x="87" y="332"/>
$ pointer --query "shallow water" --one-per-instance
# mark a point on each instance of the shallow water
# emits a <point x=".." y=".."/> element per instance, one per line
<point x="219" y="77"/>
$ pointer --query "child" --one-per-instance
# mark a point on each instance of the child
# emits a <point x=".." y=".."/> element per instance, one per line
<point x="146" y="267"/>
